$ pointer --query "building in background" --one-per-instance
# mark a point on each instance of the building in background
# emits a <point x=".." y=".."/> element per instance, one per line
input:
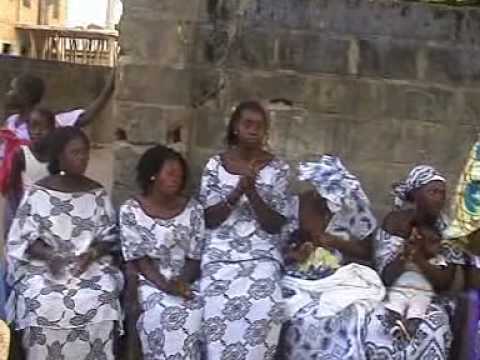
<point x="27" y="12"/>
<point x="38" y="29"/>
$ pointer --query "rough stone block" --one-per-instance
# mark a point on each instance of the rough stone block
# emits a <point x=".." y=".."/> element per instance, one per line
<point x="126" y="157"/>
<point x="164" y="46"/>
<point x="155" y="85"/>
<point x="471" y="28"/>
<point x="416" y="103"/>
<point x="313" y="53"/>
<point x="470" y="111"/>
<point x="151" y="124"/>
<point x="265" y="86"/>
<point x="388" y="58"/>
<point x="447" y="65"/>
<point x="254" y="49"/>
<point x="153" y="9"/>
<point x="344" y="96"/>
<point x="360" y="17"/>
<point x="209" y="128"/>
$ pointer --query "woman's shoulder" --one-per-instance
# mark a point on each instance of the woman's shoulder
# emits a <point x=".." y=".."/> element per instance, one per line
<point x="398" y="222"/>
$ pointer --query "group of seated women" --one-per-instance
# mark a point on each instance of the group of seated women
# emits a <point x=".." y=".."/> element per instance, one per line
<point x="243" y="270"/>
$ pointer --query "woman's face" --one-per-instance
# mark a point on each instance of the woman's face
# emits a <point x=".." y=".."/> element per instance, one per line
<point x="39" y="127"/>
<point x="75" y="157"/>
<point x="431" y="197"/>
<point x="169" y="180"/>
<point x="251" y="129"/>
<point x="314" y="214"/>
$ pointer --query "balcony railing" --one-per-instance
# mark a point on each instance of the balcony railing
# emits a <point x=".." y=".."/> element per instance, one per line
<point x="78" y="46"/>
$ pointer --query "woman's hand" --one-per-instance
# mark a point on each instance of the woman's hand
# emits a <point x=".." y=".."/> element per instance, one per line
<point x="180" y="288"/>
<point x="57" y="264"/>
<point x="302" y="252"/>
<point x="83" y="262"/>
<point x="325" y="240"/>
<point x="412" y="251"/>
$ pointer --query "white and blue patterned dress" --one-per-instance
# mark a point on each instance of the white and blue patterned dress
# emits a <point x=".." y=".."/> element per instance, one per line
<point x="66" y="316"/>
<point x="328" y="303"/>
<point x="169" y="326"/>
<point x="433" y="337"/>
<point x="241" y="268"/>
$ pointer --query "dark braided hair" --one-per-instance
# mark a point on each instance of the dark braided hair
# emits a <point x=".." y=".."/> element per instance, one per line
<point x="152" y="162"/>
<point x="251" y="105"/>
<point x="58" y="140"/>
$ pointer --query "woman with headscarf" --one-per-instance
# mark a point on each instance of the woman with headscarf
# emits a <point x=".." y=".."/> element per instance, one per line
<point x="399" y="255"/>
<point x="329" y="294"/>
<point x="243" y="191"/>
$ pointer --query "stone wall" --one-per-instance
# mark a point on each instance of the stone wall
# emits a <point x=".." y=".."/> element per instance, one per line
<point x="383" y="84"/>
<point x="68" y="86"/>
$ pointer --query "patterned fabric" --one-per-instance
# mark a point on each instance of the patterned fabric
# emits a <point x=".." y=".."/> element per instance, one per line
<point x="466" y="218"/>
<point x="241" y="267"/>
<point x="418" y="177"/>
<point x="385" y="338"/>
<point x="92" y="342"/>
<point x="352" y="216"/>
<point x="70" y="223"/>
<point x="243" y="309"/>
<point x="312" y="336"/>
<point x="240" y="237"/>
<point x="327" y="302"/>
<point x="169" y="326"/>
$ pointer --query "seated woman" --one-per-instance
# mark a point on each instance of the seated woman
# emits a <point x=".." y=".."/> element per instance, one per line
<point x="327" y="295"/>
<point x="162" y="234"/>
<point x="61" y="251"/>
<point x="398" y="253"/>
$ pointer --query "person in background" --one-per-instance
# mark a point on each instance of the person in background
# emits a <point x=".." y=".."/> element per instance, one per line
<point x="29" y="163"/>
<point x="162" y="234"/>
<point x="244" y="192"/>
<point x="62" y="253"/>
<point x="27" y="91"/>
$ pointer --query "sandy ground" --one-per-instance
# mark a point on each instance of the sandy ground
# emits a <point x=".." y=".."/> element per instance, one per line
<point x="100" y="169"/>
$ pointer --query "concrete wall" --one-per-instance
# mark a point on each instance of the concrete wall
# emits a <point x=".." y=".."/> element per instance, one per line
<point x="68" y="86"/>
<point x="383" y="84"/>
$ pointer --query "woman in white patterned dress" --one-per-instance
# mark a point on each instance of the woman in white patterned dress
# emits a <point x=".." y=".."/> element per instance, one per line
<point x="244" y="191"/>
<point x="162" y="233"/>
<point x="397" y="253"/>
<point x="61" y="252"/>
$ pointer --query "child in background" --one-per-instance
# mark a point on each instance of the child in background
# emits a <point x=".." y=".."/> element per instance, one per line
<point x="305" y="258"/>
<point x="29" y="163"/>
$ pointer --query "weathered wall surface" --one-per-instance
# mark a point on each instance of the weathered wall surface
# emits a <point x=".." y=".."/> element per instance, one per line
<point x="68" y="87"/>
<point x="383" y="84"/>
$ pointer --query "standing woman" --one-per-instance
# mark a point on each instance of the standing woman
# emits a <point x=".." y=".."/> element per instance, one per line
<point x="61" y="256"/>
<point x="244" y="192"/>
<point x="162" y="233"/>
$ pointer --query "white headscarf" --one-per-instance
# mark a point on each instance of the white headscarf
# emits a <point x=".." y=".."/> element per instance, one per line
<point x="345" y="197"/>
